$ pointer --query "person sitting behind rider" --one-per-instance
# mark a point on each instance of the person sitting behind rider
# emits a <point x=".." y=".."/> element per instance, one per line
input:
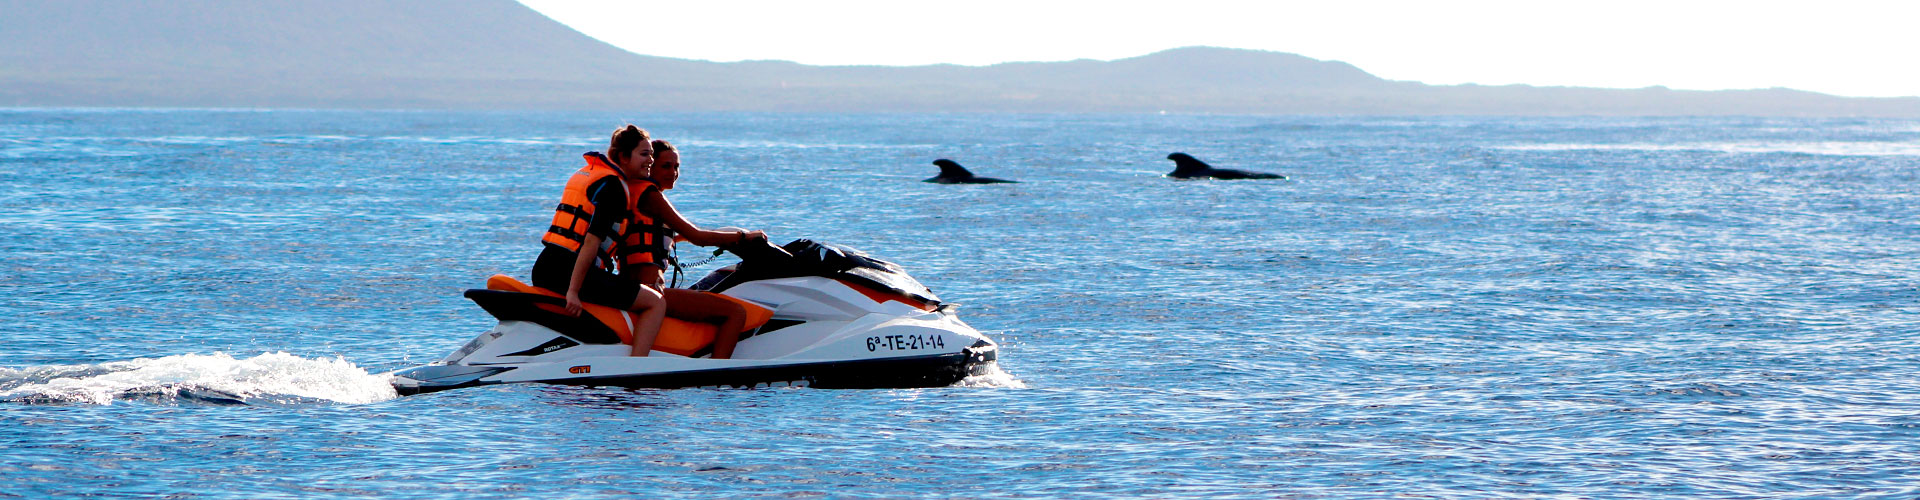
<point x="644" y="246"/>
<point x="593" y="207"/>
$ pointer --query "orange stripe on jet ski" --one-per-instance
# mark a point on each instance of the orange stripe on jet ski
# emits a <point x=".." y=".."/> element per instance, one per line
<point x="684" y="337"/>
<point x="688" y="337"/>
<point x="880" y="297"/>
<point x="676" y="336"/>
<point x="612" y="317"/>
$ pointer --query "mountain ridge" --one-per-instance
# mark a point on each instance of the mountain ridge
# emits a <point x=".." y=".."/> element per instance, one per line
<point x="499" y="54"/>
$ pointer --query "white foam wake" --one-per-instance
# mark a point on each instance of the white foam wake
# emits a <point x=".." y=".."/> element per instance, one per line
<point x="992" y="377"/>
<point x="272" y="378"/>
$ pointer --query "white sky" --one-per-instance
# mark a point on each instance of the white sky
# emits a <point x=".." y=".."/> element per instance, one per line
<point x="1841" y="47"/>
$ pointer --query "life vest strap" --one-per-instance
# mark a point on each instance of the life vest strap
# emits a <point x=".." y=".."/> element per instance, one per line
<point x="578" y="212"/>
<point x="567" y="233"/>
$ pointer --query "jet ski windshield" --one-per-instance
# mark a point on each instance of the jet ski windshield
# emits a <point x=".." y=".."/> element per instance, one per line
<point x="812" y="258"/>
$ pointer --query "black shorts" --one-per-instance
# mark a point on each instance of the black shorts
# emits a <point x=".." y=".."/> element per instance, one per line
<point x="553" y="270"/>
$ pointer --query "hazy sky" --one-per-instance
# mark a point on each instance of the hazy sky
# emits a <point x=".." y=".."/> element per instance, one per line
<point x="1841" y="47"/>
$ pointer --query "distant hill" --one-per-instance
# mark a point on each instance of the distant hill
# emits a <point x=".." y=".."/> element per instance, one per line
<point x="499" y="54"/>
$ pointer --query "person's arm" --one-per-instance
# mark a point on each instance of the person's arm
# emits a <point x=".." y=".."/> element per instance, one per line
<point x="589" y="250"/>
<point x="657" y="205"/>
<point x="609" y="197"/>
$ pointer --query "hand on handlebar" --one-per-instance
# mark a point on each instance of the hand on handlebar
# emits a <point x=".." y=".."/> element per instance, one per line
<point x="755" y="246"/>
<point x="741" y="238"/>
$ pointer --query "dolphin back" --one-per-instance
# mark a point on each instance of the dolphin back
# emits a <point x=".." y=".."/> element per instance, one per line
<point x="953" y="173"/>
<point x="1187" y="167"/>
<point x="1228" y="173"/>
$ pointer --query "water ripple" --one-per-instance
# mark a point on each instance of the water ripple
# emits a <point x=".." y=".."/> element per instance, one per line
<point x="1451" y="307"/>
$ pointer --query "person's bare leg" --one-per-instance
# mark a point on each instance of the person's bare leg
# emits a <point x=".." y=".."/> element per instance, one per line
<point x="729" y="333"/>
<point x="652" y="310"/>
<point x="700" y="306"/>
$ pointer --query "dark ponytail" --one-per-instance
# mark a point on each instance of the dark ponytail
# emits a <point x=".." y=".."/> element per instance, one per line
<point x="625" y="140"/>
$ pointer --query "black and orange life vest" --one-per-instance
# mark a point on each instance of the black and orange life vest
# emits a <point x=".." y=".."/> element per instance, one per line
<point x="570" y="219"/>
<point x="643" y="240"/>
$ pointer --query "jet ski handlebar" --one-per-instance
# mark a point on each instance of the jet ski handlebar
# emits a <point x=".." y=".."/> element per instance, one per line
<point x="758" y="249"/>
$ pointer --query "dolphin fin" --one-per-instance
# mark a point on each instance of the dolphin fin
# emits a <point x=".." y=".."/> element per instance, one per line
<point x="951" y="170"/>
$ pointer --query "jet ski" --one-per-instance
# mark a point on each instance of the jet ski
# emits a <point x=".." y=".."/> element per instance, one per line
<point x="820" y="315"/>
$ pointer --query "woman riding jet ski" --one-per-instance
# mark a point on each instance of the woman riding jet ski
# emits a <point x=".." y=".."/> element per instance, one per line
<point x="821" y="315"/>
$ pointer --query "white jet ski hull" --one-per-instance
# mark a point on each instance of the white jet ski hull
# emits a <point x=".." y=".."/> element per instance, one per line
<point x="839" y="319"/>
<point x="903" y="356"/>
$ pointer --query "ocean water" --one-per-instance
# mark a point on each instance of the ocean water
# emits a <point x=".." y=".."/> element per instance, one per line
<point x="201" y="304"/>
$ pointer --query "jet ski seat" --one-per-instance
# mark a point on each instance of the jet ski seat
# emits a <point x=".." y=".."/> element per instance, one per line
<point x="685" y="338"/>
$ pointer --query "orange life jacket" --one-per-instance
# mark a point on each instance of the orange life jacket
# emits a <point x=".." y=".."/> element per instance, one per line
<point x="570" y="219"/>
<point x="643" y="240"/>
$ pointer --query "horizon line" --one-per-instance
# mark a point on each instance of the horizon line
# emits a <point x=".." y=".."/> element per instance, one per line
<point x="1267" y="51"/>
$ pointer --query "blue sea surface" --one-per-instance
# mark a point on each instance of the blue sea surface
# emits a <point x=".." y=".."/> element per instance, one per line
<point x="203" y="304"/>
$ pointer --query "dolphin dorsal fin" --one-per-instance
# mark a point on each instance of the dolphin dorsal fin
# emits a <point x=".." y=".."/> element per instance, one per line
<point x="1186" y="164"/>
<point x="951" y="170"/>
